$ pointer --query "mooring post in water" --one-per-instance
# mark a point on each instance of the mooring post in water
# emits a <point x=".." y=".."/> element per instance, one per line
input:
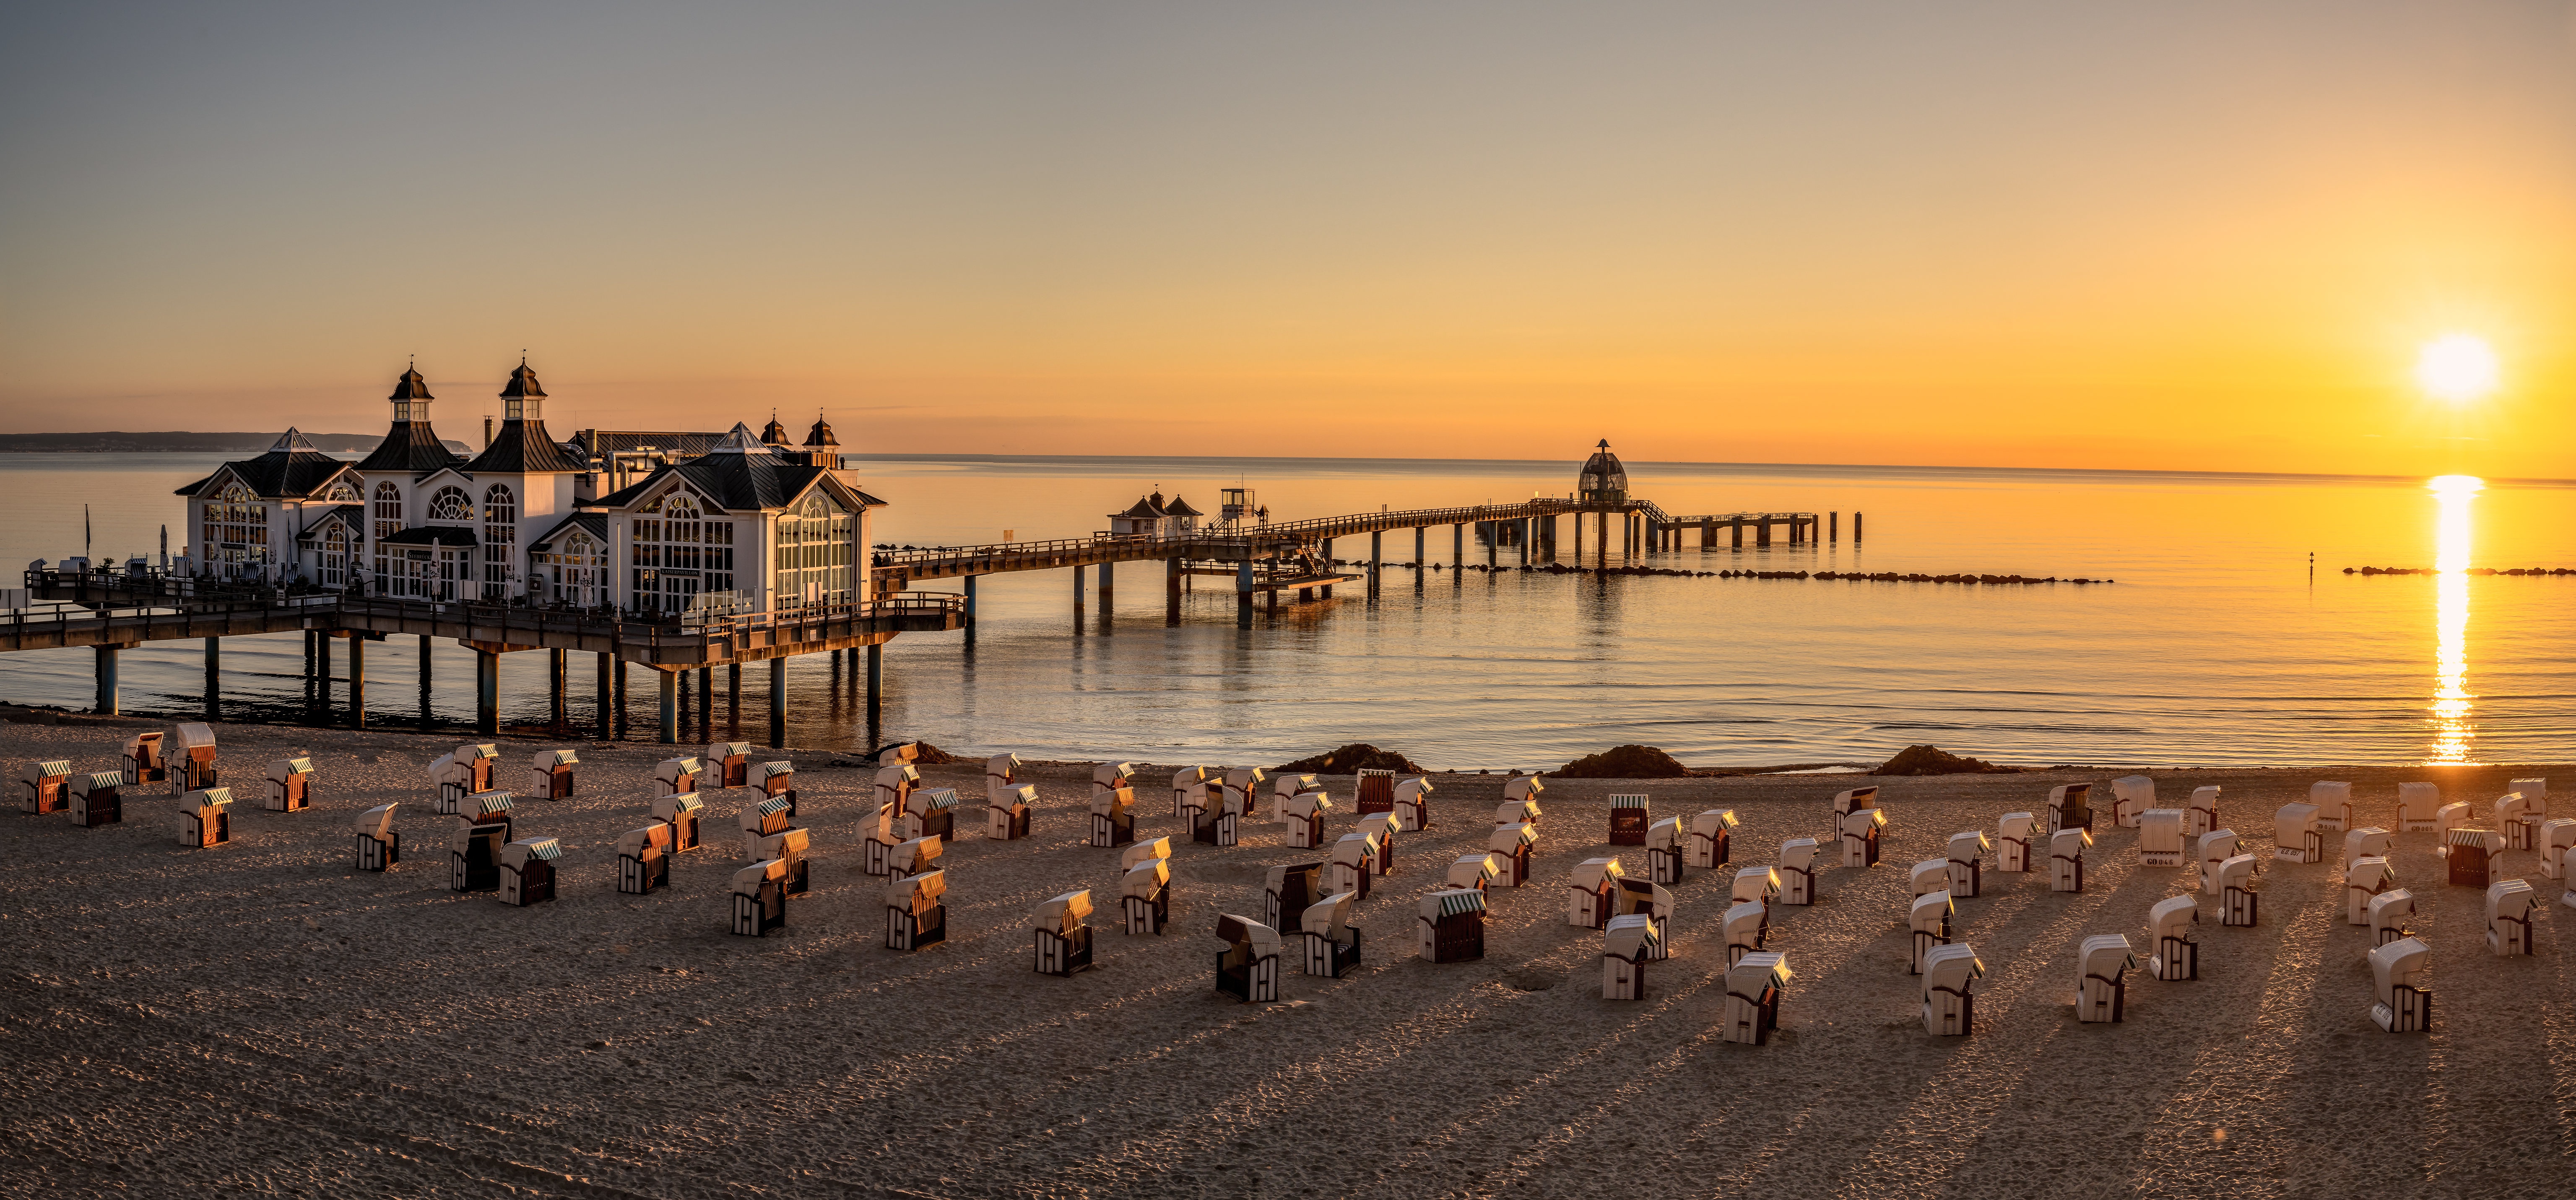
<point x="357" y="679"/>
<point x="1855" y="527"/>
<point x="487" y="692"/>
<point x="1077" y="600"/>
<point x="606" y="705"/>
<point x="1172" y="591"/>
<point x="1243" y="594"/>
<point x="778" y="701"/>
<point x="969" y="630"/>
<point x="214" y="679"/>
<point x="876" y="683"/>
<point x="556" y="687"/>
<point x="104" y="664"/>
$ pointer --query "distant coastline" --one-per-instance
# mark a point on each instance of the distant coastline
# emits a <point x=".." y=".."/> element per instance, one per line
<point x="182" y="441"/>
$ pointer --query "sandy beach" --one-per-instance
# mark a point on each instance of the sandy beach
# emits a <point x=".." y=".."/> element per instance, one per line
<point x="261" y="1019"/>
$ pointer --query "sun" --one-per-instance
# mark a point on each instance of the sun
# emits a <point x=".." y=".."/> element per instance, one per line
<point x="2457" y="367"/>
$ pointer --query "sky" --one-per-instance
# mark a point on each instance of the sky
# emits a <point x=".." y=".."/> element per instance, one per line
<point x="2181" y="235"/>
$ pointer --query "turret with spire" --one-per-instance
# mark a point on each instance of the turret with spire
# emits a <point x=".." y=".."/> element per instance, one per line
<point x="410" y="445"/>
<point x="523" y="446"/>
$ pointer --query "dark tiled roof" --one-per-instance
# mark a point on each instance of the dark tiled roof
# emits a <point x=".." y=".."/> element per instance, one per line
<point x="820" y="435"/>
<point x="594" y="522"/>
<point x="613" y="441"/>
<point x="774" y="433"/>
<point x="351" y="515"/>
<point x="523" y="384"/>
<point x="1181" y="508"/>
<point x="292" y="468"/>
<point x="523" y="447"/>
<point x="410" y="446"/>
<point x="1144" y="509"/>
<point x="430" y="535"/>
<point x="736" y="482"/>
<point x="411" y="387"/>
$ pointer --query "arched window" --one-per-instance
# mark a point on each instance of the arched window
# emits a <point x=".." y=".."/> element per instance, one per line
<point x="451" y="504"/>
<point x="389" y="521"/>
<point x="236" y="529"/>
<point x="344" y="492"/>
<point x="500" y="536"/>
<point x="817" y="544"/>
<point x="335" y="555"/>
<point x="681" y="554"/>
<point x="577" y="569"/>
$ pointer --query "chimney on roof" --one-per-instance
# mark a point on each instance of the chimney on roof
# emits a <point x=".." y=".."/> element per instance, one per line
<point x="487" y="433"/>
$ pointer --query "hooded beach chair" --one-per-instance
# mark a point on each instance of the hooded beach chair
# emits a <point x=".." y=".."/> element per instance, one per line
<point x="2390" y="912"/>
<point x="1350" y="862"/>
<point x="790" y="846"/>
<point x="1222" y="826"/>
<point x="1967" y="863"/>
<point x="1332" y="945"/>
<point x="1284" y="786"/>
<point x="1591" y="894"/>
<point x="2416" y="804"/>
<point x="2454" y="815"/>
<point x="1516" y="812"/>
<point x="462" y="772"/>
<point x="1001" y="775"/>
<point x="896" y="754"/>
<point x="142" y="762"/>
<point x="681" y="813"/>
<point x="1950" y="974"/>
<point x="2215" y="847"/>
<point x="2362" y="881"/>
<point x="205" y="818"/>
<point x="1655" y="901"/>
<point x="2237" y="899"/>
<point x="1452" y="925"/>
<point x="2169" y="928"/>
<point x="2069" y="807"/>
<point x="1192" y="792"/>
<point x="1113" y="819"/>
<point x="45" y="787"/>
<point x="1248" y="968"/>
<point x="2295" y="834"/>
<point x="1712" y="836"/>
<point x="2368" y="841"/>
<point x="1304" y="813"/>
<point x="728" y="765"/>
<point x="1476" y="870"/>
<point x="474" y="851"/>
<point x="1664" y="850"/>
<point x="193" y="760"/>
<point x="644" y="859"/>
<point x="1860" y="829"/>
<point x="2160" y="837"/>
<point x="672" y="776"/>
<point x="1413" y="804"/>
<point x="1797" y="871"/>
<point x="778" y="779"/>
<point x="2013" y="832"/>
<point x="760" y="817"/>
<point x="97" y="799"/>
<point x="1627" y="945"/>
<point x="1746" y="925"/>
<point x="2556" y="837"/>
<point x="550" y="774"/>
<point x="1761" y="885"/>
<point x="1514" y="845"/>
<point x="916" y="911"/>
<point x="2510" y="903"/>
<point x="1376" y="791"/>
<point x="2535" y="796"/>
<point x="2102" y="970"/>
<point x="1854" y="800"/>
<point x="379" y="844"/>
<point x="528" y="871"/>
<point x="927" y="812"/>
<point x="2398" y="979"/>
<point x="1006" y="814"/>
<point x="2472" y="856"/>
<point x="1243" y="789"/>
<point x="914" y="856"/>
<point x="893" y="784"/>
<point x="1929" y="876"/>
<point x="1524" y="789"/>
<point x="290" y="785"/>
<point x="1145" y="885"/>
<point x="2131" y="797"/>
<point x="1628" y="820"/>
<point x="1384" y="826"/>
<point x="2066" y="859"/>
<point x="1062" y="941"/>
<point x="760" y="898"/>
<point x="1288" y="889"/>
<point x="2203" y="811"/>
<point x="1929" y="919"/>
<point x="1753" y="987"/>
<point x="2514" y="821"/>
<point x="1112" y="777"/>
<point x="2334" y="806"/>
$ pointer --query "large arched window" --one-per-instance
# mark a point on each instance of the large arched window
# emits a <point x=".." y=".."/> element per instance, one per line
<point x="500" y="536"/>
<point x="817" y="545"/>
<point x="389" y="521"/>
<point x="681" y="554"/>
<point x="335" y="555"/>
<point x="576" y="570"/>
<point x="236" y="529"/>
<point x="451" y="504"/>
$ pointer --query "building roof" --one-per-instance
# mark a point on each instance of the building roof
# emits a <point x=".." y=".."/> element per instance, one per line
<point x="619" y="441"/>
<point x="430" y="535"/>
<point x="1602" y="472"/>
<point x="820" y="434"/>
<point x="735" y="482"/>
<point x="774" y="433"/>
<point x="411" y="386"/>
<point x="1180" y="508"/>
<point x="523" y="448"/>
<point x="351" y="515"/>
<point x="523" y="384"/>
<point x="595" y="523"/>
<point x="292" y="467"/>
<point x="740" y="441"/>
<point x="1147" y="508"/>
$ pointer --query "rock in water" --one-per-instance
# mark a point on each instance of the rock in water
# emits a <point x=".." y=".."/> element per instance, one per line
<point x="1348" y="760"/>
<point x="1624" y="762"/>
<point x="1933" y="760"/>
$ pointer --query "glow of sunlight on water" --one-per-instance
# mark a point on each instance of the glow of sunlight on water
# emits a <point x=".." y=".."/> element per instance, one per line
<point x="2452" y="730"/>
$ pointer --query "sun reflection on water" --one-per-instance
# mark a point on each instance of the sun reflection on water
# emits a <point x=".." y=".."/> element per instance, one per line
<point x="2452" y="703"/>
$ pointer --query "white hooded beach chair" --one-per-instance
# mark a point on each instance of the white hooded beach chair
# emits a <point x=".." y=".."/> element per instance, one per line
<point x="1653" y="900"/>
<point x="1384" y="826"/>
<point x="1664" y="850"/>
<point x="2131" y="797"/>
<point x="1248" y="968"/>
<point x="778" y="778"/>
<point x="550" y="774"/>
<point x="2472" y="856"/>
<point x="2066" y="859"/>
<point x="1762" y="885"/>
<point x="2390" y="912"/>
<point x="927" y="812"/>
<point x="893" y="785"/>
<point x="1350" y="862"/>
<point x="2362" y="881"/>
<point x="2169" y="929"/>
<point x="205" y="818"/>
<point x="193" y="762"/>
<point x="2069" y="806"/>
<point x="1062" y="938"/>
<point x="142" y="761"/>
<point x="913" y="856"/>
<point x="2160" y="837"/>
<point x="2102" y="977"/>
<point x="45" y="787"/>
<point x="1001" y="775"/>
<point x="1376" y="791"/>
<point x="681" y="813"/>
<point x="759" y="897"/>
<point x="1514" y="845"/>
<point x="2237" y="900"/>
<point x="644" y="859"/>
<point x="1113" y="819"/>
<point x="2511" y="819"/>
<point x="1967" y="863"/>
<point x="2368" y="841"/>
<point x="1332" y="944"/>
<point x="1516" y="812"/>
<point x="728" y="765"/>
<point x="2454" y="815"/>
<point x="2510" y="903"/>
<point x="1475" y="871"/>
<point x="2204" y="810"/>
<point x="1929" y="919"/>
<point x="1798" y="871"/>
<point x="1929" y="876"/>
<point x="1006" y="815"/>
<point x="760" y="817"/>
<point x="790" y="847"/>
<point x="1628" y="820"/>
<point x="1627" y="945"/>
<point x="916" y="911"/>
<point x="1524" y="788"/>
<point x="1753" y="986"/>
<point x="673" y="776"/>
<point x="2295" y="834"/>
<point x="1854" y="800"/>
<point x="1592" y="894"/>
<point x="462" y="772"/>
<point x="2013" y="832"/>
<point x="1304" y="813"/>
<point x="1281" y="788"/>
<point x="290" y="785"/>
<point x="1288" y="889"/>
<point x="1712" y="833"/>
<point x="1950" y="974"/>
<point x="1145" y="885"/>
<point x="1243" y="789"/>
<point x="528" y="871"/>
<point x="896" y="754"/>
<point x="474" y="852"/>
<point x="2398" y="977"/>
<point x="2416" y="804"/>
<point x="2556" y="837"/>
<point x="2215" y="847"/>
<point x="2535" y="796"/>
<point x="1112" y="777"/>
<point x="1192" y="792"/>
<point x="1860" y="829"/>
<point x="379" y="844"/>
<point x="2334" y="805"/>
<point x="1413" y="804"/>
<point x="1451" y="923"/>
<point x="2567" y="876"/>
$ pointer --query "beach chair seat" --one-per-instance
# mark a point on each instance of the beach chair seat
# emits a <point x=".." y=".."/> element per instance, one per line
<point x="1710" y="834"/>
<point x="1591" y="893"/>
<point x="2296" y="837"/>
<point x="1860" y="830"/>
<point x="1523" y="789"/>
<point x="1006" y="815"/>
<point x="2556" y="837"/>
<point x="45" y="786"/>
<point x="2160" y="837"/>
<point x="1930" y="875"/>
<point x="2070" y="807"/>
<point x="759" y="897"/>
<point x="1929" y="920"/>
<point x="1753" y="987"/>
<point x="2362" y="881"/>
<point x="2455" y="815"/>
<point x="1350" y="862"/>
<point x="2131" y="797"/>
<point x="462" y="772"/>
<point x="911" y="856"/>
<point x="1627" y="944"/>
<point x="1384" y="826"/>
<point x="1451" y="924"/>
<point x="550" y="774"/>
<point x="1289" y="889"/>
<point x="916" y="911"/>
<point x="2066" y="859"/>
<point x="1283" y="786"/>
<point x="1413" y="804"/>
<point x="2214" y="847"/>
<point x="1652" y="899"/>
<point x="527" y="869"/>
<point x="1798" y="871"/>
<point x="1248" y="968"/>
<point x="205" y="818"/>
<point x="289" y="785"/>
<point x="1113" y="819"/>
<point x="2169" y="927"/>
<point x="1950" y="974"/>
<point x="1242" y="790"/>
<point x="1761" y="885"/>
<point x="1331" y="942"/>
<point x="644" y="859"/>
<point x="2103" y="963"/>
<point x="1516" y="812"/>
<point x="192" y="760"/>
<point x="2390" y="911"/>
<point x="1062" y="942"/>
<point x="1515" y="845"/>
<point x="1376" y="791"/>
<point x="2237" y="899"/>
<point x="1967" y="862"/>
<point x="2013" y="833"/>
<point x="379" y="844"/>
<point x="1628" y="820"/>
<point x="762" y="816"/>
<point x="790" y="846"/>
<point x="2416" y="805"/>
<point x="142" y="760"/>
<point x="673" y="776"/>
<point x="2334" y="806"/>
<point x="681" y="813"/>
<point x="2404" y="994"/>
<point x="1664" y="853"/>
<point x="2510" y="904"/>
<point x="1112" y="777"/>
<point x="2472" y="856"/>
<point x="728" y="765"/>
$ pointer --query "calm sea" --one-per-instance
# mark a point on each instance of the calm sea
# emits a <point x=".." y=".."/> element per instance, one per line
<point x="2215" y="646"/>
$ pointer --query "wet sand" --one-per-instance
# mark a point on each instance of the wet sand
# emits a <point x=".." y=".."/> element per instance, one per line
<point x="260" y="1018"/>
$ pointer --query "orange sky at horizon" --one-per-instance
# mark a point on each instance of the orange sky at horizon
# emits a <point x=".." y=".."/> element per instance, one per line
<point x="2000" y="235"/>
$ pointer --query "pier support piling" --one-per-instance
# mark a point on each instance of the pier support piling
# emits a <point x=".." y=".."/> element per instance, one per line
<point x="1243" y="594"/>
<point x="214" y="679"/>
<point x="1108" y="596"/>
<point x="357" y="678"/>
<point x="1855" y="528"/>
<point x="1172" y="579"/>
<point x="104" y="664"/>
<point x="970" y="621"/>
<point x="667" y="684"/>
<point x="487" y="692"/>
<point x="778" y="701"/>
<point x="1077" y="600"/>
<point x="876" y="684"/>
<point x="427" y="714"/>
<point x="322" y="676"/>
<point x="606" y="705"/>
<point x="556" y="687"/>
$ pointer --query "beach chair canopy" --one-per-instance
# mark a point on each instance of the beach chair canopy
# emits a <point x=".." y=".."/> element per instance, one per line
<point x="1450" y="902"/>
<point x="1592" y="873"/>
<point x="1304" y="805"/>
<point x="1930" y="875"/>
<point x="2485" y="839"/>
<point x="1712" y="822"/>
<point x="1330" y="916"/>
<point x="2535" y="792"/>
<point x="1111" y="804"/>
<point x="288" y="768"/>
<point x="1523" y="787"/>
<point x="1799" y="852"/>
<point x="2372" y="872"/>
<point x="2134" y="789"/>
<point x="53" y="768"/>
<point x="2388" y="908"/>
<point x="747" y="881"/>
<point x="2400" y="963"/>
<point x="897" y="776"/>
<point x="1950" y="967"/>
<point x="97" y="781"/>
<point x="1628" y="801"/>
<point x="1754" y="883"/>
<point x="930" y="801"/>
<point x="2454" y="813"/>
<point x="1967" y="844"/>
<point x="1665" y="834"/>
<point x="724" y="750"/>
<point x="1742" y="919"/>
<point x="485" y="804"/>
<point x="1757" y="971"/>
<point x="1352" y="849"/>
<point x="2237" y="871"/>
<point x="788" y="844"/>
<point x="1143" y="851"/>
<point x="772" y="770"/>
<point x="474" y="751"/>
<point x="2173" y="916"/>
<point x="196" y="735"/>
<point x="1284" y="786"/>
<point x="2016" y="826"/>
<point x="2065" y="794"/>
<point x="2510" y="898"/>
<point x="1639" y="895"/>
<point x="918" y="893"/>
<point x="2106" y="955"/>
<point x="2556" y="834"/>
<point x="1930" y="911"/>
<point x="670" y="770"/>
<point x="1144" y="879"/>
<point x="2069" y="841"/>
<point x="2218" y="844"/>
<point x="1112" y="774"/>
<point x="2415" y="795"/>
<point x="1513" y="812"/>
<point x="2367" y="841"/>
<point x="550" y="759"/>
<point x="1183" y="778"/>
<point x="1001" y="764"/>
<point x="1243" y="778"/>
<point x="521" y="852"/>
<point x="2327" y="795"/>
<point x="1413" y="789"/>
<point x="2205" y="797"/>
<point x="1631" y="938"/>
<point x="895" y="753"/>
<point x="375" y="822"/>
<point x="667" y="807"/>
<point x="768" y="806"/>
<point x="2293" y="822"/>
<point x="445" y="767"/>
<point x="1278" y="878"/>
<point x="915" y="855"/>
<point x="1020" y="797"/>
<point x="1063" y="914"/>
<point x="466" y="834"/>
<point x="1509" y="839"/>
<point x="208" y="799"/>
<point x="1855" y="799"/>
<point x="2508" y="807"/>
<point x="1860" y="821"/>
<point x="142" y="742"/>
<point x="1470" y="869"/>
<point x="634" y="842"/>
<point x="1246" y="934"/>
